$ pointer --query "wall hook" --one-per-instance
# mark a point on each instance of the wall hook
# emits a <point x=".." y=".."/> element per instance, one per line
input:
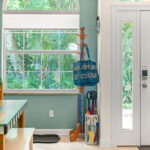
<point x="97" y="24"/>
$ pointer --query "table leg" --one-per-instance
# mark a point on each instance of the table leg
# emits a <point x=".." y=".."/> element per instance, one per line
<point x="21" y="121"/>
<point x="2" y="142"/>
<point x="31" y="144"/>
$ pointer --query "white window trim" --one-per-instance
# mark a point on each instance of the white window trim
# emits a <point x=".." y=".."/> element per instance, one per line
<point x="36" y="91"/>
<point x="41" y="21"/>
<point x="60" y="21"/>
<point x="32" y="91"/>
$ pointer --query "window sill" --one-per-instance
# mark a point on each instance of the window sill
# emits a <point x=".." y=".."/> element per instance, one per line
<point x="41" y="12"/>
<point x="41" y="92"/>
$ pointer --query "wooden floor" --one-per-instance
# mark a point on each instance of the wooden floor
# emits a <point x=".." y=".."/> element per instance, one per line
<point x="65" y="144"/>
<point x="75" y="146"/>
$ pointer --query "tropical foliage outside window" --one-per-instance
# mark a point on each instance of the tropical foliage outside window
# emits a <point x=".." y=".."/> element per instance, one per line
<point x="127" y="63"/>
<point x="40" y="59"/>
<point x="43" y="5"/>
<point x="127" y="75"/>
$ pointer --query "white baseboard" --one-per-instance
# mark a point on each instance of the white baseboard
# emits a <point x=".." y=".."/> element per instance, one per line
<point x="105" y="143"/>
<point x="52" y="131"/>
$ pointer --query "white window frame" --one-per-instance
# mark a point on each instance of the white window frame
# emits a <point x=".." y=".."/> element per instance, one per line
<point x="49" y="20"/>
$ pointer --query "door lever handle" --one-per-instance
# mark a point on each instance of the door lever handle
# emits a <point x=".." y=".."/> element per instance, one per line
<point x="144" y="85"/>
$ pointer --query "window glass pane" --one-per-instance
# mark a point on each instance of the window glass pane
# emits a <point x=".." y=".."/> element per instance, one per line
<point x="32" y="62"/>
<point x="14" y="62"/>
<point x="32" y="41"/>
<point x="50" y="41"/>
<point x="66" y="61"/>
<point x="32" y="80"/>
<point x="50" y="62"/>
<point x="68" y="41"/>
<point x="41" y="40"/>
<point x="127" y="76"/>
<point x="66" y="80"/>
<point x="50" y="80"/>
<point x="14" y="41"/>
<point x="42" y="5"/>
<point x="14" y="80"/>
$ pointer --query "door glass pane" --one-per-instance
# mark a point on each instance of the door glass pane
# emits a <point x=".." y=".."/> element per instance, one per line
<point x="127" y="76"/>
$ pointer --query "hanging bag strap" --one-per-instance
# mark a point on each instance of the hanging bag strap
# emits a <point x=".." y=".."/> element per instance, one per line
<point x="87" y="51"/>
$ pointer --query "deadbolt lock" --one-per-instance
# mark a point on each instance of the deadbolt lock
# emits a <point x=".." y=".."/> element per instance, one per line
<point x="144" y="85"/>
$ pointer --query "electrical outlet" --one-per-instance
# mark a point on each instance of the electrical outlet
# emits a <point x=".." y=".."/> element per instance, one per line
<point x="51" y="113"/>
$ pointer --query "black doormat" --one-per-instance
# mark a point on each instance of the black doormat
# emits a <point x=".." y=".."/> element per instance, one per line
<point x="144" y="148"/>
<point x="48" y="138"/>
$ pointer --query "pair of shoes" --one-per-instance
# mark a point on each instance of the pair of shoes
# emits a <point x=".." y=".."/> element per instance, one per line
<point x="74" y="133"/>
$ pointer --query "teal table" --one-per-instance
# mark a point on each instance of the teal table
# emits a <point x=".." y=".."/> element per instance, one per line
<point x="11" y="112"/>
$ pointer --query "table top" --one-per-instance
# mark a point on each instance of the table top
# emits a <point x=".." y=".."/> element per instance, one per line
<point x="10" y="111"/>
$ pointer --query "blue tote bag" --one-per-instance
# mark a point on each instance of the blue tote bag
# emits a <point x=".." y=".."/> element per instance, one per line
<point x="85" y="71"/>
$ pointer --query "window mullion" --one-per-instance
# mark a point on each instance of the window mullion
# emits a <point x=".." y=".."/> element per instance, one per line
<point x="43" y="52"/>
<point x="41" y="62"/>
<point x="59" y="62"/>
<point x="5" y="63"/>
<point x="23" y="60"/>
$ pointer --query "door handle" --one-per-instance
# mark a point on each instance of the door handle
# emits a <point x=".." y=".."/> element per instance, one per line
<point x="144" y="85"/>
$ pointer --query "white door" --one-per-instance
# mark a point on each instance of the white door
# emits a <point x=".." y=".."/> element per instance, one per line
<point x="126" y="78"/>
<point x="145" y="77"/>
<point x="131" y="76"/>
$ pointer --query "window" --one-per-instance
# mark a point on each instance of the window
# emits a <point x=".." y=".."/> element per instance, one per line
<point x="40" y="48"/>
<point x="42" y="5"/>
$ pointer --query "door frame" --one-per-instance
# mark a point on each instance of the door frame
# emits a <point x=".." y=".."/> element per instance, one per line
<point x="136" y="7"/>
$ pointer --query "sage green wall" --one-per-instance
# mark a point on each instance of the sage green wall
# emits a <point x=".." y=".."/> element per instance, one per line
<point x="64" y="106"/>
<point x="0" y="30"/>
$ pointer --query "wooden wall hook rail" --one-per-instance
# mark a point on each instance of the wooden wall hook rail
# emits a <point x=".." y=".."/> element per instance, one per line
<point x="82" y="36"/>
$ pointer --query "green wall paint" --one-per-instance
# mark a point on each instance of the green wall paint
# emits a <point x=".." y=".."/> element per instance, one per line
<point x="36" y="114"/>
<point x="64" y="106"/>
<point x="88" y="12"/>
<point x="1" y="1"/>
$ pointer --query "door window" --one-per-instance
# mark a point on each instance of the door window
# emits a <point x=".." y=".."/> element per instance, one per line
<point x="127" y="75"/>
